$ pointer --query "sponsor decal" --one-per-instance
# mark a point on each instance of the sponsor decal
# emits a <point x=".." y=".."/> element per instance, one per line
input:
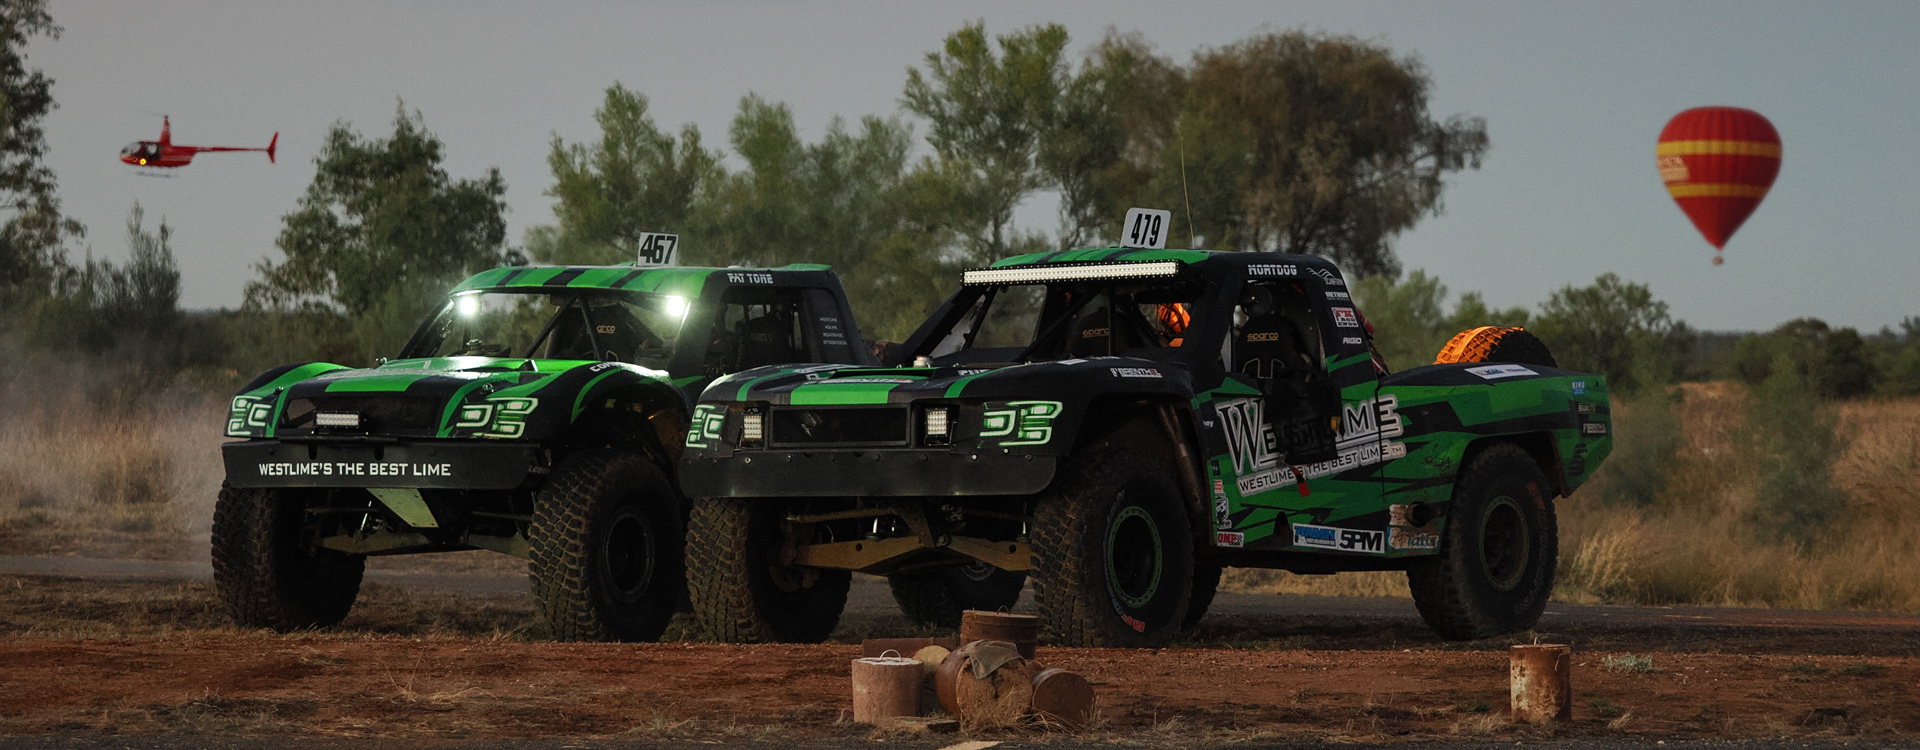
<point x="875" y="380"/>
<point x="1222" y="507"/>
<point x="1344" y="317"/>
<point x="1342" y="296"/>
<point x="1026" y="422"/>
<point x="1586" y="408"/>
<point x="1413" y="539"/>
<point x="1594" y="428"/>
<point x="1496" y="372"/>
<point x="603" y="329"/>
<point x="1353" y="341"/>
<point x="1274" y="270"/>
<point x="353" y="469"/>
<point x="1405" y="535"/>
<point x="248" y="412"/>
<point x="1579" y="387"/>
<point x="1329" y="278"/>
<point x="703" y="430"/>
<point x="1367" y="429"/>
<point x="1344" y="540"/>
<point x="740" y="277"/>
<point x="1268" y="336"/>
<point x="499" y="417"/>
<point x="1134" y="372"/>
<point x="1230" y="539"/>
<point x="1673" y="169"/>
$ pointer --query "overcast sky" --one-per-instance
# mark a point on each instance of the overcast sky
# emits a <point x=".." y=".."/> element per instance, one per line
<point x="1574" y="95"/>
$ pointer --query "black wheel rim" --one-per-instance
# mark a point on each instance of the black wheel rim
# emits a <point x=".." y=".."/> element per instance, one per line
<point x="1135" y="558"/>
<point x="626" y="555"/>
<point x="1505" y="544"/>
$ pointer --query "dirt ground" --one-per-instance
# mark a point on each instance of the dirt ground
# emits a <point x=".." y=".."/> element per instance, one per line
<point x="104" y="658"/>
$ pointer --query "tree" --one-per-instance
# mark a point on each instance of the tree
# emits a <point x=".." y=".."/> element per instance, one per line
<point x="100" y="306"/>
<point x="1007" y="124"/>
<point x="847" y="200"/>
<point x="1833" y="362"/>
<point x="1615" y="328"/>
<point x="636" y="179"/>
<point x="1292" y="142"/>
<point x="31" y="239"/>
<point x="382" y="229"/>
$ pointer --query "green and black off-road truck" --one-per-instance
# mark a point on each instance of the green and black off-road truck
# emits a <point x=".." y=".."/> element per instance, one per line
<point x="540" y="413"/>
<point x="1120" y="424"/>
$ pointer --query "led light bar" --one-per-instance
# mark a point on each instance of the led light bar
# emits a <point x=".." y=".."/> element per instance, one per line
<point x="937" y="422"/>
<point x="336" y="419"/>
<point x="753" y="427"/>
<point x="1157" y="269"/>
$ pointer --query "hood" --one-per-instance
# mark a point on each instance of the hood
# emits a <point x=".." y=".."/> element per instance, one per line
<point x="848" y="385"/>
<point x="448" y="397"/>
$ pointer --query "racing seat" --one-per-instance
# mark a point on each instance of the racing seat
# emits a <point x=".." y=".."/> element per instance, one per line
<point x="617" y="332"/>
<point x="767" y="339"/>
<point x="1101" y="333"/>
<point x="1300" y="402"/>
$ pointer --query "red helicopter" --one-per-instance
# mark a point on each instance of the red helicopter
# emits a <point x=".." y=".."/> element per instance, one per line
<point x="163" y="152"/>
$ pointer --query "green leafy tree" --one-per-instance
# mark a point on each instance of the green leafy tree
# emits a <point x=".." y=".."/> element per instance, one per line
<point x="848" y="200"/>
<point x="381" y="233"/>
<point x="1291" y="141"/>
<point x="637" y="179"/>
<point x="1615" y="328"/>
<point x="1833" y="362"/>
<point x="32" y="235"/>
<point x="1006" y="123"/>
<point x="99" y="305"/>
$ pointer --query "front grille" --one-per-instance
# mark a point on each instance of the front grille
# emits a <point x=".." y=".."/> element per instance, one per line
<point x="885" y="425"/>
<point x="380" y="414"/>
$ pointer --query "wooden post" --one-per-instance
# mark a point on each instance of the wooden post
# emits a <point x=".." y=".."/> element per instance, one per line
<point x="1541" y="684"/>
<point x="885" y="687"/>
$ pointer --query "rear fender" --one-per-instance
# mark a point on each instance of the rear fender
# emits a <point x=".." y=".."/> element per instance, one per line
<point x="1539" y="445"/>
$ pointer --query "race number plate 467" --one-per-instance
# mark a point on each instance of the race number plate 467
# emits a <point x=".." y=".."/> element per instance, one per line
<point x="657" y="249"/>
<point x="1145" y="228"/>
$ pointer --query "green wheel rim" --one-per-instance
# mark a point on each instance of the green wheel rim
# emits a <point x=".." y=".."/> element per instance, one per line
<point x="1135" y="557"/>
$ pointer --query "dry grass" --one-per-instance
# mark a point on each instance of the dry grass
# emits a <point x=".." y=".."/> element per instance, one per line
<point x="105" y="472"/>
<point x="1705" y="540"/>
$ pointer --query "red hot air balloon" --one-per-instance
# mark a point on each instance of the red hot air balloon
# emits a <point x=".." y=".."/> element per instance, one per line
<point x="1718" y="163"/>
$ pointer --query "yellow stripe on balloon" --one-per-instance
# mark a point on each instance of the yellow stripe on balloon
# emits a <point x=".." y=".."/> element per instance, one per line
<point x="1718" y="190"/>
<point x="1731" y="148"/>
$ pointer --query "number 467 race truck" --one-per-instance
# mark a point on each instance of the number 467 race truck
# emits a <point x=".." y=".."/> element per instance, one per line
<point x="1119" y="424"/>
<point x="538" y="413"/>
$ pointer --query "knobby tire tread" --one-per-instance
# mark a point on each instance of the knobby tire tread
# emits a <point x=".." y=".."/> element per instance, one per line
<point x="247" y="545"/>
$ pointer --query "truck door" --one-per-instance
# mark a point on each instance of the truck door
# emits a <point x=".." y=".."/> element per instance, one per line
<point x="1302" y="429"/>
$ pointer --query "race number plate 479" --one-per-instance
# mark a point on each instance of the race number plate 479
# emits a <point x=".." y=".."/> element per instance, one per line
<point x="1145" y="228"/>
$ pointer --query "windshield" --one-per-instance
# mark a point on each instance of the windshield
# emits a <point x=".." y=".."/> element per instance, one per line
<point x="1036" y="322"/>
<point x="595" y="324"/>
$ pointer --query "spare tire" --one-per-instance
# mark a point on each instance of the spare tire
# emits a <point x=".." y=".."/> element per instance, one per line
<point x="1496" y="344"/>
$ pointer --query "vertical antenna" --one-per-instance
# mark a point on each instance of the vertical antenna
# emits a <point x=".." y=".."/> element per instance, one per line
<point x="1183" y="187"/>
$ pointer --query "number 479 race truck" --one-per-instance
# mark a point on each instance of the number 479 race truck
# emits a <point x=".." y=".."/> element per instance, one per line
<point x="1119" y="425"/>
<point x="538" y="413"/>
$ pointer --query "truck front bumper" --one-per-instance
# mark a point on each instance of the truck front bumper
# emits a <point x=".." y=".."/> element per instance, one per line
<point x="863" y="473"/>
<point x="441" y="464"/>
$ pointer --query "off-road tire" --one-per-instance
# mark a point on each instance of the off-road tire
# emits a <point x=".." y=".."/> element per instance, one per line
<point x="606" y="548"/>
<point x="937" y="596"/>
<point x="740" y="592"/>
<point x="1206" y="583"/>
<point x="1495" y="568"/>
<point x="1496" y="344"/>
<point x="1113" y="554"/>
<point x="265" y="572"/>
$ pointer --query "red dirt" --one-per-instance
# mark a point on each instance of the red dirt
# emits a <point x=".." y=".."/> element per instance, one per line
<point x="255" y="684"/>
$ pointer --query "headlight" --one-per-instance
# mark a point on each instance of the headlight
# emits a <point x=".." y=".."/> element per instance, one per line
<point x="753" y="426"/>
<point x="935" y="425"/>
